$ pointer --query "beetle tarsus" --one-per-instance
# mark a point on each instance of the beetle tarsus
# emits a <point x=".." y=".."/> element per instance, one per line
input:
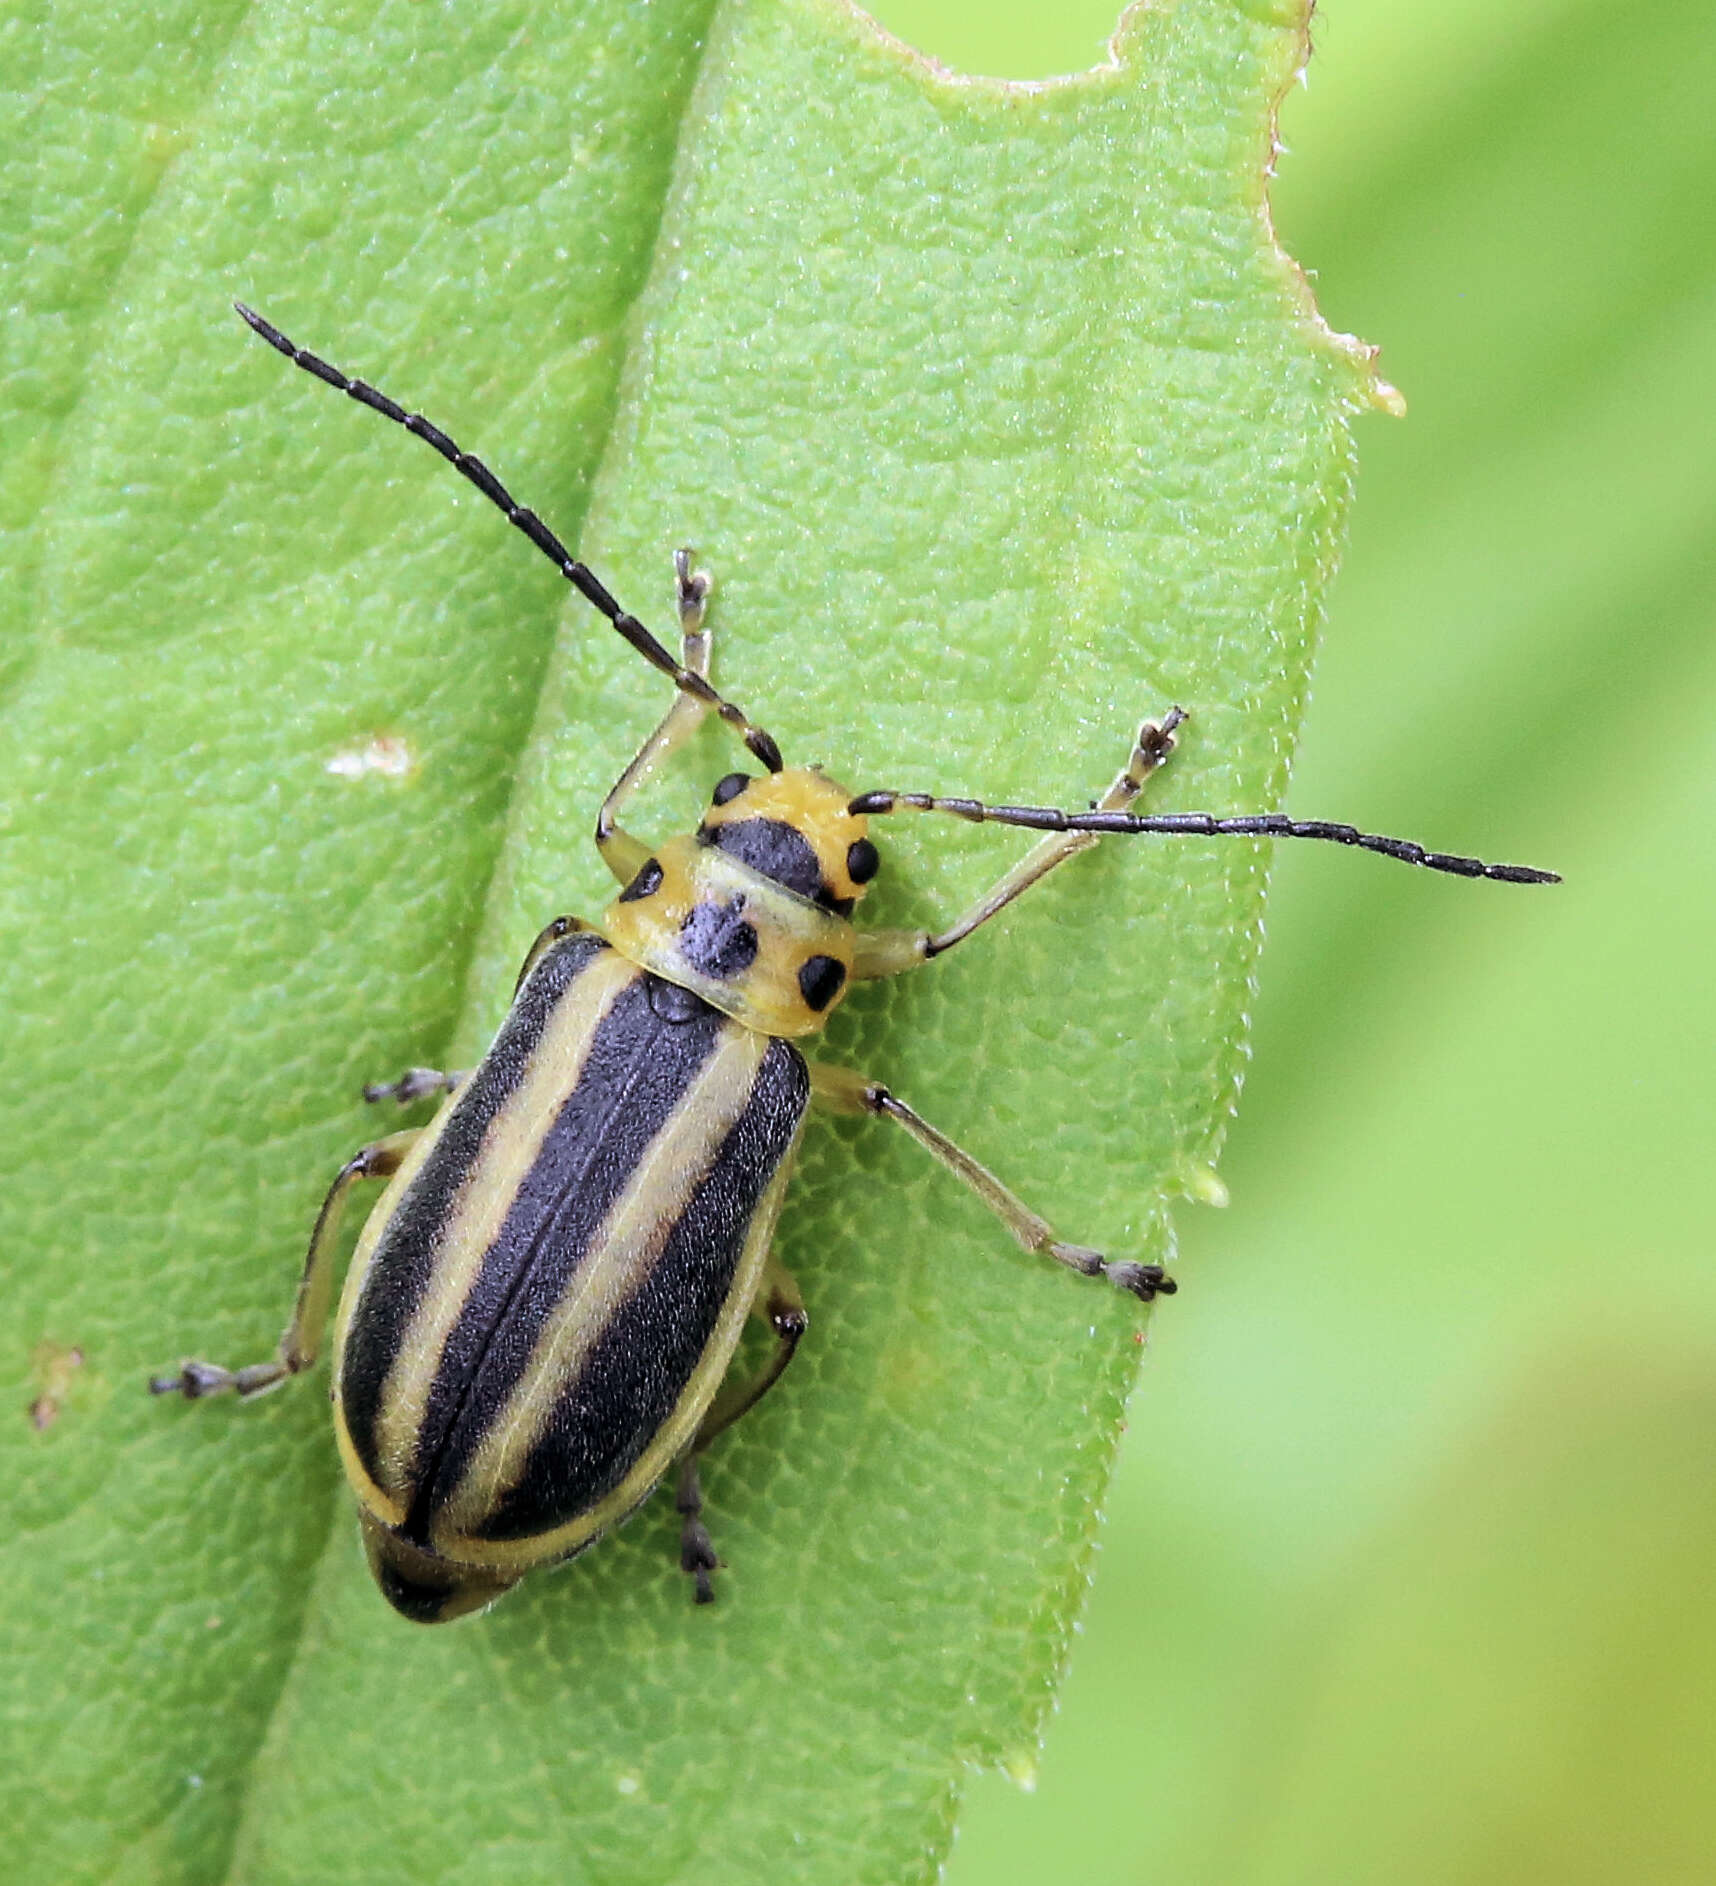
<point x="196" y="1381"/>
<point x="691" y="590"/>
<point x="416" y="1083"/>
<point x="697" y="1557"/>
<point x="697" y="1554"/>
<point x="1145" y="1281"/>
<point x="1079" y="1257"/>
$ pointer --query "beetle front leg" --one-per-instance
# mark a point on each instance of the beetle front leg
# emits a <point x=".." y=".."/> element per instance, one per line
<point x="303" y="1334"/>
<point x="842" y="1090"/>
<point x="782" y="1308"/>
<point x="891" y="952"/>
<point x="623" y="854"/>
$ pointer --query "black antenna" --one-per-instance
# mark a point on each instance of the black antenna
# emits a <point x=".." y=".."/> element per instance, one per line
<point x="576" y="573"/>
<point x="1197" y="825"/>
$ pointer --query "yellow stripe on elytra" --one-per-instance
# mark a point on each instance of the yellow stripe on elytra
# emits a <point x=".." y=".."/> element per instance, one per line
<point x="622" y="1252"/>
<point x="385" y="1506"/>
<point x="510" y="1148"/>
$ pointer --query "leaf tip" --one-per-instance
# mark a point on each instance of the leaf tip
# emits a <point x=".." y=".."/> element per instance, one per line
<point x="1201" y="1183"/>
<point x="1386" y="397"/>
<point x="1021" y="1767"/>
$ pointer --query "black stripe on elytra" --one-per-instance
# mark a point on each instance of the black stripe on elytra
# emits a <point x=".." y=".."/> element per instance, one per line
<point x="634" y="1079"/>
<point x="638" y="1369"/>
<point x="407" y="1251"/>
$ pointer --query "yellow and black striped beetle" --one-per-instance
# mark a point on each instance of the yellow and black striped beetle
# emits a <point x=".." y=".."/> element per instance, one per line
<point x="540" y="1313"/>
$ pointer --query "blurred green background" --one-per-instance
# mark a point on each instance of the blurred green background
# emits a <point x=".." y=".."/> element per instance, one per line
<point x="1408" y="1567"/>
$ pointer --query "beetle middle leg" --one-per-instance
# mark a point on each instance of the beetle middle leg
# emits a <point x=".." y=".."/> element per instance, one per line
<point x="416" y="1083"/>
<point x="302" y="1337"/>
<point x="843" y="1090"/>
<point x="782" y="1308"/>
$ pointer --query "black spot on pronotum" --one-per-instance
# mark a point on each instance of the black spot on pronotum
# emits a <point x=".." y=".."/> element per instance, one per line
<point x="819" y="981"/>
<point x="863" y="861"/>
<point x="645" y="884"/>
<point x="717" y="941"/>
<point x="773" y="847"/>
<point x="730" y="787"/>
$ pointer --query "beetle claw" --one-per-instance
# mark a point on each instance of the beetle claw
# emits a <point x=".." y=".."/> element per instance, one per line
<point x="1145" y="1281"/>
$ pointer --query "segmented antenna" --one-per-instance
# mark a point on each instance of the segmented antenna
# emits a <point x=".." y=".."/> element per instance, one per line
<point x="1197" y="825"/>
<point x="576" y="573"/>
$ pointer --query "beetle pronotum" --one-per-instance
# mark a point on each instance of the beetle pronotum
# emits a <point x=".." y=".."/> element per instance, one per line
<point x="540" y="1313"/>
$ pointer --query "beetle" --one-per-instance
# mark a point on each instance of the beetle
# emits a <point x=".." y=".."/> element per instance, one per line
<point x="538" y="1318"/>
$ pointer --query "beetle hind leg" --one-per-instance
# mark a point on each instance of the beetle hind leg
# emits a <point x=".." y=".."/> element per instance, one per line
<point x="843" y="1090"/>
<point x="781" y="1306"/>
<point x="697" y="1555"/>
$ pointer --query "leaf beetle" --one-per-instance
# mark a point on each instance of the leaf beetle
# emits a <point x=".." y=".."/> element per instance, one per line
<point x="538" y="1320"/>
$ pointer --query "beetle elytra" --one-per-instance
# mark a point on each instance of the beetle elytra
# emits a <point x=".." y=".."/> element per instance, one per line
<point x="538" y="1319"/>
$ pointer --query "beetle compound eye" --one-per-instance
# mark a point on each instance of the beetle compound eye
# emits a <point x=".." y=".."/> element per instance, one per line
<point x="730" y="788"/>
<point x="863" y="861"/>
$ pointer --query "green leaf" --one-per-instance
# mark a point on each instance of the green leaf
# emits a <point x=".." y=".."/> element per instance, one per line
<point x="1002" y="423"/>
